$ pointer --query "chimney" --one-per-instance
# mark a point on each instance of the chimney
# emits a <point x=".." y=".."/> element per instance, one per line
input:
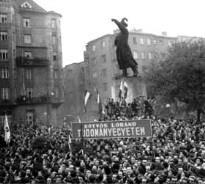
<point x="164" y="33"/>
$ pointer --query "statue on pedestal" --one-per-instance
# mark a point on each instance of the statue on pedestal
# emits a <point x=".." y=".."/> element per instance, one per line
<point x="124" y="54"/>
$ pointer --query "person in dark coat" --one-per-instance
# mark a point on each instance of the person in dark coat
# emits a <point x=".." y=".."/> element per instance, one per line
<point x="123" y="51"/>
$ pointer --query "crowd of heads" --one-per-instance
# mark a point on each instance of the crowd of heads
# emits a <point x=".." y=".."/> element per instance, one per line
<point x="121" y="110"/>
<point x="174" y="154"/>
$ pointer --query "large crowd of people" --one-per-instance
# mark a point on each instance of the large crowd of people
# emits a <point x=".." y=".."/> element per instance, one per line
<point x="119" y="109"/>
<point x="174" y="154"/>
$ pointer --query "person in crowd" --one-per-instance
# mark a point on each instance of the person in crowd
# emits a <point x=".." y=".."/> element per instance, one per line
<point x="174" y="154"/>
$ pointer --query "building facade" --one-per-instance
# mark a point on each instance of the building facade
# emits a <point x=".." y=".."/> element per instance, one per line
<point x="74" y="88"/>
<point x="30" y="62"/>
<point x="103" y="67"/>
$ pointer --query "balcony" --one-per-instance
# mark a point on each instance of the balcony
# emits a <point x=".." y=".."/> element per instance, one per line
<point x="28" y="62"/>
<point x="56" y="101"/>
<point x="24" y="100"/>
<point x="6" y="103"/>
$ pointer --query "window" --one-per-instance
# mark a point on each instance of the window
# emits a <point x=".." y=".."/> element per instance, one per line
<point x="28" y="73"/>
<point x="26" y="22"/>
<point x="28" y="54"/>
<point x="54" y="40"/>
<point x="3" y="18"/>
<point x="56" y="92"/>
<point x="95" y="75"/>
<point x="26" y="5"/>
<point x="5" y="93"/>
<point x="3" y="54"/>
<point x="134" y="40"/>
<point x="103" y="44"/>
<point x="53" y="23"/>
<point x="3" y="35"/>
<point x="135" y="55"/>
<point x="142" y="55"/>
<point x="94" y="60"/>
<point x="114" y="60"/>
<point x="93" y="47"/>
<point x="105" y="86"/>
<point x="29" y="92"/>
<point x="54" y="56"/>
<point x="103" y="58"/>
<point x="4" y="73"/>
<point x="27" y="39"/>
<point x="104" y="72"/>
<point x="155" y="41"/>
<point x="148" y="41"/>
<point x="55" y="74"/>
<point x="169" y="43"/>
<point x="150" y="55"/>
<point x="141" y="41"/>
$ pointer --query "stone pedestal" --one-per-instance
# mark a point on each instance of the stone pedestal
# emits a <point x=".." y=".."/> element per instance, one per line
<point x="136" y="88"/>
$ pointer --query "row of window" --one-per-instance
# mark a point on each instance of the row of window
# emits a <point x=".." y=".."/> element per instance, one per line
<point x="136" y="55"/>
<point x="103" y="45"/>
<point x="142" y="55"/>
<point x="27" y="23"/>
<point x="3" y="35"/>
<point x="148" y="41"/>
<point x="26" y="20"/>
<point x="103" y="59"/>
<point x="3" y="54"/>
<point x="3" y="18"/>
<point x="27" y="54"/>
<point x="103" y="74"/>
<point x="28" y="73"/>
<point x="142" y="41"/>
<point x="28" y="92"/>
<point x="4" y="93"/>
<point x="28" y="39"/>
<point x="4" y="73"/>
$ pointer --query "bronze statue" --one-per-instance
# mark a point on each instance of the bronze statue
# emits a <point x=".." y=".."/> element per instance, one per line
<point x="124" y="54"/>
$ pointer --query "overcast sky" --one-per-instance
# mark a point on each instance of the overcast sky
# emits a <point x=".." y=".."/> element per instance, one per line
<point x="85" y="20"/>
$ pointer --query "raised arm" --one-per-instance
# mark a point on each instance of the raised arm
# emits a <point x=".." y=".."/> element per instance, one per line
<point x="120" y="25"/>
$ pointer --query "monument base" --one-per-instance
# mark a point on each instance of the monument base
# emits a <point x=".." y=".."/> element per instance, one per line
<point x="136" y="87"/>
<point x="117" y="77"/>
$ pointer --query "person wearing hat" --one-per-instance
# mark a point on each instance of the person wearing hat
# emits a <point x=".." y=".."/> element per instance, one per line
<point x="123" y="51"/>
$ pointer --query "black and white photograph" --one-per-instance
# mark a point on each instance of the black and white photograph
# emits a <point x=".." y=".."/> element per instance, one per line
<point x="102" y="92"/>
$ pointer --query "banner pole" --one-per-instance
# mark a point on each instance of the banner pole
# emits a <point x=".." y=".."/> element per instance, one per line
<point x="82" y="141"/>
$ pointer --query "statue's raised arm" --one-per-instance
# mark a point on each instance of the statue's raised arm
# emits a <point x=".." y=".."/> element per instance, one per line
<point x="121" y="25"/>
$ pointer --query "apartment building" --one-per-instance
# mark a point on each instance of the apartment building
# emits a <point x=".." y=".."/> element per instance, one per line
<point x="31" y="89"/>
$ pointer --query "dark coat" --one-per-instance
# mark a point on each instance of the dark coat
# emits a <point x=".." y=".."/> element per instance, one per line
<point x="123" y="51"/>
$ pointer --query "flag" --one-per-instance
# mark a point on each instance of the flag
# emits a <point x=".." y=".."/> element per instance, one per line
<point x="86" y="98"/>
<point x="23" y="80"/>
<point x="103" y="109"/>
<point x="79" y="120"/>
<point x="69" y="141"/>
<point x="125" y="90"/>
<point x="121" y="89"/>
<point x="49" y="130"/>
<point x="7" y="130"/>
<point x="113" y="92"/>
<point x="99" y="102"/>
